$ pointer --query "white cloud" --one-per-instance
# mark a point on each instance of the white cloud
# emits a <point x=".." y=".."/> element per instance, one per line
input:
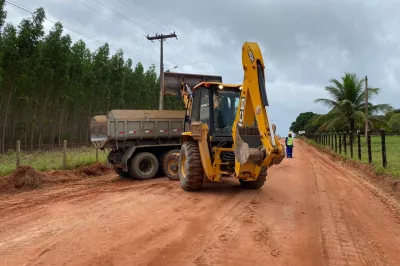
<point x="304" y="43"/>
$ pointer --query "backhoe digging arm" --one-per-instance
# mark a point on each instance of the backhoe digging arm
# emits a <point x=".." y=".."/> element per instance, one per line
<point x="255" y="143"/>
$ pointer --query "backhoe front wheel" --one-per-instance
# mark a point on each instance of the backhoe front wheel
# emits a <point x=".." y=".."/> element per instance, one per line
<point x="258" y="183"/>
<point x="191" y="173"/>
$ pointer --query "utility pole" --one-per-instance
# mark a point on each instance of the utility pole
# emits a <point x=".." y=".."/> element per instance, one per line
<point x="161" y="38"/>
<point x="366" y="108"/>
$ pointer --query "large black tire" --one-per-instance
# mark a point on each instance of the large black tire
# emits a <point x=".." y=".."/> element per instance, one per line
<point x="122" y="173"/>
<point x="191" y="173"/>
<point x="171" y="165"/>
<point x="257" y="184"/>
<point x="144" y="166"/>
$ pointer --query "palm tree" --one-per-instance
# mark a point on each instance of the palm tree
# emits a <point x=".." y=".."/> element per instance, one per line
<point x="348" y="106"/>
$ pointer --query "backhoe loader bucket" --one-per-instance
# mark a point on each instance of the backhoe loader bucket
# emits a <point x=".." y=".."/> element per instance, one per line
<point x="248" y="141"/>
<point x="173" y="81"/>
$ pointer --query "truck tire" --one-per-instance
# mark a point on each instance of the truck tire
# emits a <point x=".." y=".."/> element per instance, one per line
<point x="171" y="165"/>
<point x="144" y="166"/>
<point x="122" y="173"/>
<point x="191" y="173"/>
<point x="257" y="184"/>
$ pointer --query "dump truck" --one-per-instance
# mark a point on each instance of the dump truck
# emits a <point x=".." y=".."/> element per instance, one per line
<point x="144" y="143"/>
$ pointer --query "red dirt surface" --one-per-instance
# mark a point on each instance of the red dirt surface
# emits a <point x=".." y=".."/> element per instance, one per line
<point x="26" y="178"/>
<point x="312" y="211"/>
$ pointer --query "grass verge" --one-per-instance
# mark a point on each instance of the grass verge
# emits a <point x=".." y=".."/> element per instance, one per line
<point x="51" y="160"/>
<point x="392" y="153"/>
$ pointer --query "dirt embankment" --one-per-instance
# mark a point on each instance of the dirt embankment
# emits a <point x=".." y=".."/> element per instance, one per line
<point x="311" y="211"/>
<point x="26" y="178"/>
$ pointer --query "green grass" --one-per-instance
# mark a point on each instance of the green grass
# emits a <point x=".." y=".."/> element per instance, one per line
<point x="392" y="154"/>
<point x="51" y="160"/>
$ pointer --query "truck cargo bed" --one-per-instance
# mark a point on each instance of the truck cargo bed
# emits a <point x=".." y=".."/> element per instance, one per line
<point x="125" y="125"/>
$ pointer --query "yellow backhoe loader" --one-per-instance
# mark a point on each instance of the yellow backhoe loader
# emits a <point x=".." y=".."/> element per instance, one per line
<point x="227" y="130"/>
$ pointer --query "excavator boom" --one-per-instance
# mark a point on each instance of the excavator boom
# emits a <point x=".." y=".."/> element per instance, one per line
<point x="255" y="144"/>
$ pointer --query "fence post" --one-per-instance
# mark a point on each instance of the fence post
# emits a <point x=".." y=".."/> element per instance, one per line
<point x="369" y="146"/>
<point x="351" y="144"/>
<point x="97" y="154"/>
<point x="345" y="142"/>
<point x="18" y="153"/>
<point x="332" y="144"/>
<point x="359" y="145"/>
<point x="335" y="143"/>
<point x="65" y="155"/>
<point x="340" y="142"/>
<point x="383" y="142"/>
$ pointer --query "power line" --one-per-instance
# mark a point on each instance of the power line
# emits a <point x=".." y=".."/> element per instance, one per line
<point x="122" y="15"/>
<point x="137" y="32"/>
<point x="129" y="19"/>
<point x="166" y="55"/>
<point x="79" y="32"/>
<point x="162" y="38"/>
<point x="155" y="23"/>
<point x="188" y="51"/>
<point x="181" y="56"/>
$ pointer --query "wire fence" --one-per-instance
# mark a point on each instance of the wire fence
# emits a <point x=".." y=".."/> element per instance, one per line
<point x="69" y="156"/>
<point x="380" y="149"/>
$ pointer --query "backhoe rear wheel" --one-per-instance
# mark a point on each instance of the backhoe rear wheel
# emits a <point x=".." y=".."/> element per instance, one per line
<point x="257" y="184"/>
<point x="171" y="165"/>
<point x="191" y="173"/>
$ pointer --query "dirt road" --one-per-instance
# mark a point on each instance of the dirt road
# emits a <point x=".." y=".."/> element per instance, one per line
<point x="311" y="211"/>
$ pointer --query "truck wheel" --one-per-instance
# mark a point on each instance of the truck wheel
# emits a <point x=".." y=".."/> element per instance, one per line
<point x="257" y="184"/>
<point x="171" y="165"/>
<point x="191" y="173"/>
<point x="122" y="173"/>
<point x="144" y="166"/>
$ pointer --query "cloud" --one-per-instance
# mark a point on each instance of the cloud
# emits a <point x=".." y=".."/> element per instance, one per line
<point x="305" y="43"/>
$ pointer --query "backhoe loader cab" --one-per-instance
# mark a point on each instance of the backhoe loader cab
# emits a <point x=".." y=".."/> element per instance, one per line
<point x="215" y="104"/>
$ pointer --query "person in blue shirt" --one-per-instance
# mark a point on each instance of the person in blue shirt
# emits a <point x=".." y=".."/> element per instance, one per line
<point x="289" y="146"/>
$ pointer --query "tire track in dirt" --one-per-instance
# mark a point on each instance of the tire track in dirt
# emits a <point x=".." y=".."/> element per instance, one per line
<point x="345" y="241"/>
<point x="311" y="211"/>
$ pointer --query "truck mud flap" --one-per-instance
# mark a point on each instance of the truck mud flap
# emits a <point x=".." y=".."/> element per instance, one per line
<point x="127" y="154"/>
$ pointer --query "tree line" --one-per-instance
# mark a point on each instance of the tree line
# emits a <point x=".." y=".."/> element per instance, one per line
<point x="347" y="110"/>
<point x="50" y="87"/>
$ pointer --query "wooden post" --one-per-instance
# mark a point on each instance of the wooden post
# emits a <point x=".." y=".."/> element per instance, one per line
<point x="351" y="144"/>
<point x="340" y="142"/>
<point x="359" y="144"/>
<point x="383" y="142"/>
<point x="65" y="155"/>
<point x="345" y="142"/>
<point x="97" y="154"/>
<point x="369" y="147"/>
<point x="18" y="153"/>
<point x="335" y="143"/>
<point x="366" y="109"/>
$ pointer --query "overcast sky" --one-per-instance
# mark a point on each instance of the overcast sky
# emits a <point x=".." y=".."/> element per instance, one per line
<point x="305" y="43"/>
